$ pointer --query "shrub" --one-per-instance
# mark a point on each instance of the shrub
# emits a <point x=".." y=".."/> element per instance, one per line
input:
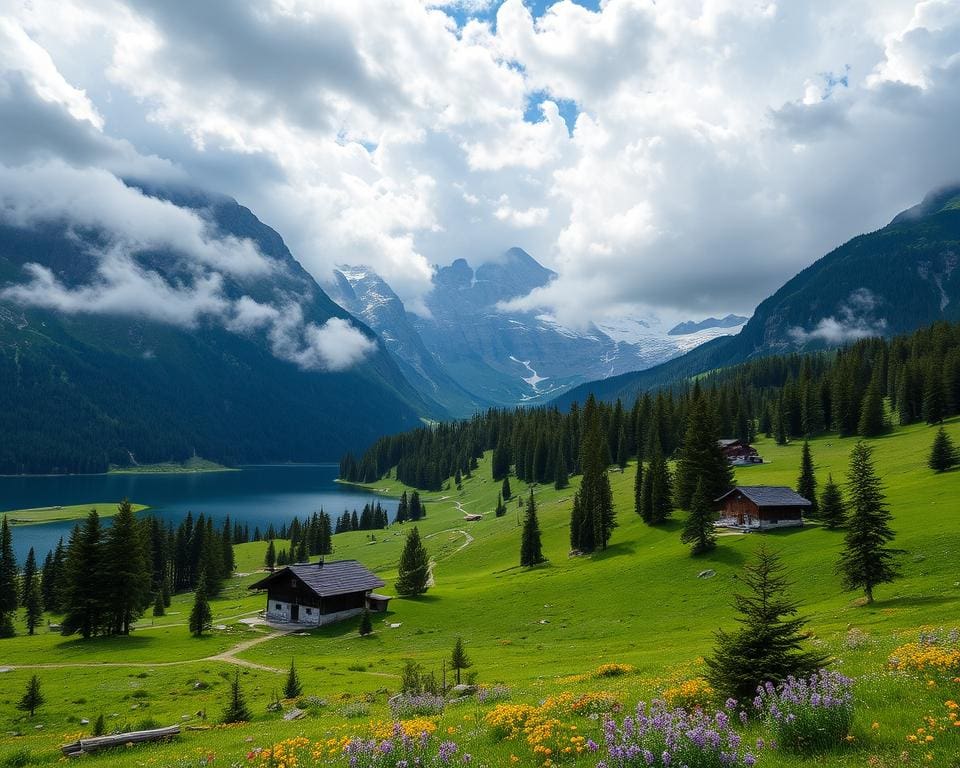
<point x="355" y="710"/>
<point x="692" y="694"/>
<point x="657" y="737"/>
<point x="403" y="749"/>
<point x="18" y="759"/>
<point x="505" y="720"/>
<point x="613" y="670"/>
<point x="493" y="693"/>
<point x="405" y="705"/>
<point x="808" y="715"/>
<point x="934" y="651"/>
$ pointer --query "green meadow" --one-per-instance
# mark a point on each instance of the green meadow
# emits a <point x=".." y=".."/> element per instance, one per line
<point x="541" y="632"/>
<point x="57" y="514"/>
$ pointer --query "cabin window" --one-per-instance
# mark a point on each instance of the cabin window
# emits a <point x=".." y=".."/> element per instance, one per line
<point x="293" y="583"/>
<point x="309" y="611"/>
<point x="277" y="607"/>
<point x="774" y="522"/>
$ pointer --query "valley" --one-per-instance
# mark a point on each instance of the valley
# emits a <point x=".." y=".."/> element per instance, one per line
<point x="540" y="632"/>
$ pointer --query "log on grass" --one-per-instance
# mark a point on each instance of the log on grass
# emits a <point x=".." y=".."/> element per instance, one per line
<point x="84" y="746"/>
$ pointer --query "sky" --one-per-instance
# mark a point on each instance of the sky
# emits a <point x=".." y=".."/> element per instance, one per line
<point x="677" y="158"/>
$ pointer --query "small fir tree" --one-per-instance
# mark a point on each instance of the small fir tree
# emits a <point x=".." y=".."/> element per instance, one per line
<point x="33" y="607"/>
<point x="236" y="711"/>
<point x="366" y="623"/>
<point x="807" y="481"/>
<point x="560" y="477"/>
<point x="292" y="688"/>
<point x="943" y="454"/>
<point x="201" y="617"/>
<point x="531" y="551"/>
<point x="699" y="531"/>
<point x="872" y="418"/>
<point x="505" y="489"/>
<point x="414" y="569"/>
<point x="458" y="659"/>
<point x="159" y="609"/>
<point x="32" y="697"/>
<point x="99" y="726"/>
<point x="866" y="561"/>
<point x="270" y="559"/>
<point x="832" y="510"/>
<point x="768" y="646"/>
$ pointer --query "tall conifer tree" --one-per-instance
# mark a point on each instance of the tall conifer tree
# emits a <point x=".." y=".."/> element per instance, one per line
<point x="832" y="511"/>
<point x="8" y="580"/>
<point x="701" y="457"/>
<point x="414" y="569"/>
<point x="866" y="561"/>
<point x="807" y="481"/>
<point x="31" y="598"/>
<point x="698" y="530"/>
<point x="531" y="551"/>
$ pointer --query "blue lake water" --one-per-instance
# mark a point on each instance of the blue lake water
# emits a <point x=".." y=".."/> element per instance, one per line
<point x="256" y="496"/>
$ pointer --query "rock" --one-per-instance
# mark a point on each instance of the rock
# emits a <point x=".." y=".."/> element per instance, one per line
<point x="184" y="717"/>
<point x="294" y="714"/>
<point x="544" y="621"/>
<point x="5" y="669"/>
<point x="134" y="706"/>
<point x="84" y="721"/>
<point x="220" y="626"/>
<point x="464" y="690"/>
<point x="38" y="727"/>
<point x="707" y="574"/>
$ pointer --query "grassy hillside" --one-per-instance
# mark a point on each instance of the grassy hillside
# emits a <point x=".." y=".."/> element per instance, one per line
<point x="40" y="515"/>
<point x="541" y="632"/>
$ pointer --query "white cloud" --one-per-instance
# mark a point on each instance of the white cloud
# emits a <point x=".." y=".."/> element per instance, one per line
<point x="713" y="139"/>
<point x="855" y="319"/>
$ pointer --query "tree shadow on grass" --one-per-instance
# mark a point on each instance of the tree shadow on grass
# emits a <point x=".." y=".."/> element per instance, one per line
<point x="671" y="524"/>
<point x="77" y="646"/>
<point x="721" y="556"/>
<point x="616" y="550"/>
<point x="913" y="600"/>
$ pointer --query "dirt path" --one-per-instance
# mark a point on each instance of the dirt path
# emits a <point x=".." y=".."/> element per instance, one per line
<point x="228" y="656"/>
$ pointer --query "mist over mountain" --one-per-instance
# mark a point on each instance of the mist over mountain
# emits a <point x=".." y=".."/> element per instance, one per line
<point x="137" y="345"/>
<point x="894" y="280"/>
<point x="692" y="326"/>
<point x="470" y="351"/>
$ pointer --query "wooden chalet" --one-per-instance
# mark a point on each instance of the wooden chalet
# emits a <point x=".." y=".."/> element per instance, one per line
<point x="739" y="452"/>
<point x="315" y="594"/>
<point x="761" y="507"/>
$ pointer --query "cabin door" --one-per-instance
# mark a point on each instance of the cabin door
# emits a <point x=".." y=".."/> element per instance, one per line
<point x="294" y="613"/>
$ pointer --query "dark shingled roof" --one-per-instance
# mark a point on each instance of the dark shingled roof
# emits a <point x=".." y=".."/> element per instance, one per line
<point x="337" y="578"/>
<point x="769" y="496"/>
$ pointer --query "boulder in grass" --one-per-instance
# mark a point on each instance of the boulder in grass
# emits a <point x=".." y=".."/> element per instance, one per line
<point x="707" y="574"/>
<point x="294" y="714"/>
<point x="463" y="690"/>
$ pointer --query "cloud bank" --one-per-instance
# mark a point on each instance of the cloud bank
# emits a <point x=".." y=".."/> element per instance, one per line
<point x="650" y="153"/>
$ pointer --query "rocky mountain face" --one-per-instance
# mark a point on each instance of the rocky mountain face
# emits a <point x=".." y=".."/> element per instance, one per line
<point x="493" y="356"/>
<point x="693" y="326"/>
<point x="895" y="280"/>
<point x="99" y="365"/>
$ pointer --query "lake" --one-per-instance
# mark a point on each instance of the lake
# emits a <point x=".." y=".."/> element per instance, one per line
<point x="256" y="496"/>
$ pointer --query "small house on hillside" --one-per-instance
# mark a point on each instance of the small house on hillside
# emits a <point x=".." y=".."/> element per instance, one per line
<point x="739" y="452"/>
<point x="315" y="594"/>
<point x="761" y="507"/>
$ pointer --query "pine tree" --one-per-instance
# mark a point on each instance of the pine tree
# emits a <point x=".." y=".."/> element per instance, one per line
<point x="86" y="611"/>
<point x="560" y="478"/>
<point x="699" y="530"/>
<point x="701" y="458"/>
<point x="201" y="618"/>
<point x="501" y="509"/>
<point x="807" y="481"/>
<point x="768" y="646"/>
<point x="638" y="489"/>
<point x="657" y="490"/>
<point x="531" y="551"/>
<point x="366" y="623"/>
<point x="865" y="561"/>
<point x="414" y="569"/>
<point x="292" y="688"/>
<point x="459" y="659"/>
<point x="505" y="489"/>
<point x="596" y="513"/>
<point x="832" y="511"/>
<point x="270" y="559"/>
<point x="934" y="396"/>
<point x="8" y="580"/>
<point x="236" y="711"/>
<point x="52" y="578"/>
<point x="126" y="575"/>
<point x="32" y="697"/>
<point x="159" y="609"/>
<point x="872" y="421"/>
<point x="31" y="598"/>
<point x="943" y="454"/>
